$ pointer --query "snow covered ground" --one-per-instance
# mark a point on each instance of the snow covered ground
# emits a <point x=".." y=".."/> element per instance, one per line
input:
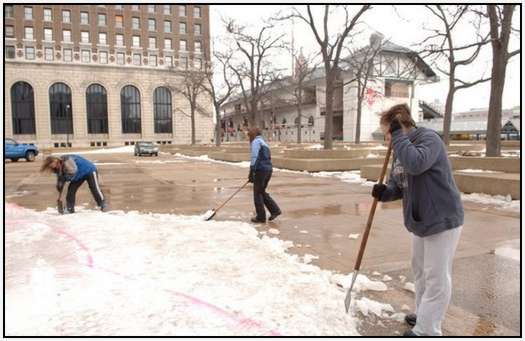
<point x="126" y="273"/>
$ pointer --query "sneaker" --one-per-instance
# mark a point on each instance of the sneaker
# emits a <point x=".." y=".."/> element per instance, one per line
<point x="410" y="319"/>
<point x="257" y="220"/>
<point x="273" y="216"/>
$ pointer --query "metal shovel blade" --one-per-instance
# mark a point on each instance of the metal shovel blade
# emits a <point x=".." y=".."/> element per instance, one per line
<point x="348" y="297"/>
<point x="211" y="214"/>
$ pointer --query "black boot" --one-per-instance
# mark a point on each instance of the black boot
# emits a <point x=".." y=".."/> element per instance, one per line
<point x="257" y="220"/>
<point x="409" y="333"/>
<point x="410" y="319"/>
<point x="274" y="215"/>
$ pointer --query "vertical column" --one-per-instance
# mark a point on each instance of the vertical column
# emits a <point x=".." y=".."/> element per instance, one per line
<point x="78" y="102"/>
<point x="114" y="115"/>
<point x="8" y="113"/>
<point x="42" y="113"/>
<point x="146" y="93"/>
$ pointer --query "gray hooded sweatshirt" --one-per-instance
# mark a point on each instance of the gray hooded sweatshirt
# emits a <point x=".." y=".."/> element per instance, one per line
<point x="422" y="176"/>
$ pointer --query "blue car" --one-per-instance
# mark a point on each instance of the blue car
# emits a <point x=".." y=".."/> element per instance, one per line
<point x="14" y="150"/>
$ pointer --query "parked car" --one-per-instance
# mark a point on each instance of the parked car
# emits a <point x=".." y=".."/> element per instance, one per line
<point x="148" y="148"/>
<point x="14" y="150"/>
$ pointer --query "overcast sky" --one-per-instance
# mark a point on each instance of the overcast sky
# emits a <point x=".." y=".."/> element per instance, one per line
<point x="402" y="25"/>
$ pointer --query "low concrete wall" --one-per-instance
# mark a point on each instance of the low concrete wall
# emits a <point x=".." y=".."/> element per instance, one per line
<point x="230" y="157"/>
<point x="499" y="164"/>
<point x="488" y="183"/>
<point x="493" y="184"/>
<point x="318" y="165"/>
<point x="330" y="154"/>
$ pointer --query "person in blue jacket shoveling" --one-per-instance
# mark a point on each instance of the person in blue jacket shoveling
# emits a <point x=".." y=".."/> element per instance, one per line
<point x="75" y="170"/>
<point x="260" y="175"/>
<point x="421" y="176"/>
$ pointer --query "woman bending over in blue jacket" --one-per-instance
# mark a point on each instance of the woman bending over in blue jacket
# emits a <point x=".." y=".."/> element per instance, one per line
<point x="75" y="170"/>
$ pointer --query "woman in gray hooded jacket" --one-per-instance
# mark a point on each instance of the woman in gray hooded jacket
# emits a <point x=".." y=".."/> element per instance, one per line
<point x="421" y="176"/>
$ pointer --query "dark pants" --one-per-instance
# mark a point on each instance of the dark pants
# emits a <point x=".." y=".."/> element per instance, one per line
<point x="92" y="180"/>
<point x="260" y="197"/>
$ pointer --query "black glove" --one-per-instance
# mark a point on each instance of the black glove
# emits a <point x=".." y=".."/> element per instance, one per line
<point x="251" y="176"/>
<point x="394" y="125"/>
<point x="377" y="191"/>
<point x="60" y="207"/>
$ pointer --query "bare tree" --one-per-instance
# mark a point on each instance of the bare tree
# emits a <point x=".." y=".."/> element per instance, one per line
<point x="255" y="71"/>
<point x="192" y="86"/>
<point x="330" y="48"/>
<point x="443" y="46"/>
<point x="500" y="18"/>
<point x="219" y="92"/>
<point x="362" y="63"/>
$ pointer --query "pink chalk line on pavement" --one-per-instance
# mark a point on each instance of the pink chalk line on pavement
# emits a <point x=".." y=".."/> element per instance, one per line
<point x="237" y="318"/>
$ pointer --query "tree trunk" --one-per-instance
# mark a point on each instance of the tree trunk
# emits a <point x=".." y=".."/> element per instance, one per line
<point x="329" y="115"/>
<point x="499" y="68"/>
<point x="448" y="109"/>
<point x="358" y="121"/>
<point x="299" y="126"/>
<point x="193" y="140"/>
<point x="218" y="126"/>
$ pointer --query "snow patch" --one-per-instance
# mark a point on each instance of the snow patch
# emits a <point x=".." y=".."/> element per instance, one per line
<point x="508" y="252"/>
<point x="353" y="235"/>
<point x="367" y="306"/>
<point x="386" y="278"/>
<point x="501" y="202"/>
<point x="362" y="283"/>
<point x="274" y="231"/>
<point x="117" y="150"/>
<point x="409" y="286"/>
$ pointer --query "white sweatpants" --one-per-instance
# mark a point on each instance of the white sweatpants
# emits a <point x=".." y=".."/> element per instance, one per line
<point x="432" y="258"/>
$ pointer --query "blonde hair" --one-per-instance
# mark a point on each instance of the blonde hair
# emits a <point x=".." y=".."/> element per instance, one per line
<point x="46" y="164"/>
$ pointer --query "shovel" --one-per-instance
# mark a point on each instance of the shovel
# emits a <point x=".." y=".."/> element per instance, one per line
<point x="357" y="266"/>
<point x="210" y="214"/>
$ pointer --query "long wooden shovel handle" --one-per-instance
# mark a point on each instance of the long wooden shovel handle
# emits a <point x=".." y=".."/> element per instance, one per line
<point x="372" y="212"/>
<point x="231" y="196"/>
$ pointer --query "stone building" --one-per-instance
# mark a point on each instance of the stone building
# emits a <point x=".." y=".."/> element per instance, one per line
<point x="395" y="76"/>
<point x="97" y="75"/>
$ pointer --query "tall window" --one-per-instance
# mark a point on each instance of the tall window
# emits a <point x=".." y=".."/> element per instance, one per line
<point x="137" y="59"/>
<point x="151" y="25"/>
<point x="97" y="109"/>
<point x="151" y="8"/>
<point x="197" y="12"/>
<point x="198" y="47"/>
<point x="121" y="58"/>
<point x="30" y="52"/>
<point x="23" y="108"/>
<point x="68" y="55"/>
<point x="28" y="33"/>
<point x="102" y="20"/>
<point x="135" y="23"/>
<point x="102" y="38"/>
<point x="152" y="60"/>
<point x="48" y="53"/>
<point x="86" y="56"/>
<point x="152" y="42"/>
<point x="9" y="31"/>
<point x="130" y="108"/>
<point x="167" y="9"/>
<point x="119" y="19"/>
<point x="61" y="109"/>
<point x="167" y="43"/>
<point x="28" y="13"/>
<point x="9" y="11"/>
<point x="167" y="26"/>
<point x="66" y="35"/>
<point x="162" y="110"/>
<point x="136" y="41"/>
<point x="84" y="18"/>
<point x="182" y="10"/>
<point x="134" y="7"/>
<point x="197" y="29"/>
<point x="84" y="36"/>
<point x="9" y="52"/>
<point x="66" y="16"/>
<point x="103" y="57"/>
<point x="182" y="28"/>
<point x="182" y="45"/>
<point x="168" y="61"/>
<point x="48" y="14"/>
<point x="48" y="34"/>
<point x="119" y="39"/>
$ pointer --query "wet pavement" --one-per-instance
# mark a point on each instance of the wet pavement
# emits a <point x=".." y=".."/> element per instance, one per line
<point x="319" y="215"/>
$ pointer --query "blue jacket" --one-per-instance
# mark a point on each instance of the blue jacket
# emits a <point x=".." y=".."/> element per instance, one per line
<point x="261" y="159"/>
<point x="80" y="170"/>
<point x="422" y="176"/>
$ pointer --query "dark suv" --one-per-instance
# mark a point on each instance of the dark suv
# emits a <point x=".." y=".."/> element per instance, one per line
<point x="148" y="148"/>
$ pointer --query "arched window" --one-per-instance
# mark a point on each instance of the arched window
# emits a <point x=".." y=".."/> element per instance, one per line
<point x="296" y="121"/>
<point x="130" y="109"/>
<point x="23" y="108"/>
<point x="61" y="109"/>
<point x="97" y="109"/>
<point x="311" y="121"/>
<point x="162" y="110"/>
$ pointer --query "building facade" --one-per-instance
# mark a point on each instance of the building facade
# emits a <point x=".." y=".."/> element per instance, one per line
<point x="396" y="74"/>
<point x="97" y="75"/>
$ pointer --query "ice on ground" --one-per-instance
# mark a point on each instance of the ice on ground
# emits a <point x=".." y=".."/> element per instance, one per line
<point x="160" y="161"/>
<point x="379" y="309"/>
<point x="315" y="146"/>
<point x="274" y="231"/>
<point x="242" y="164"/>
<point x="117" y="150"/>
<point x="402" y="278"/>
<point x="362" y="283"/>
<point x="409" y="286"/>
<point x="372" y="155"/>
<point x="469" y="170"/>
<point x="386" y="278"/>
<point x="376" y="273"/>
<point x="399" y="317"/>
<point x="129" y="273"/>
<point x="405" y="307"/>
<point x="304" y="232"/>
<point x="501" y="202"/>
<point x="508" y="252"/>
<point x="308" y="258"/>
<point x="353" y="235"/>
